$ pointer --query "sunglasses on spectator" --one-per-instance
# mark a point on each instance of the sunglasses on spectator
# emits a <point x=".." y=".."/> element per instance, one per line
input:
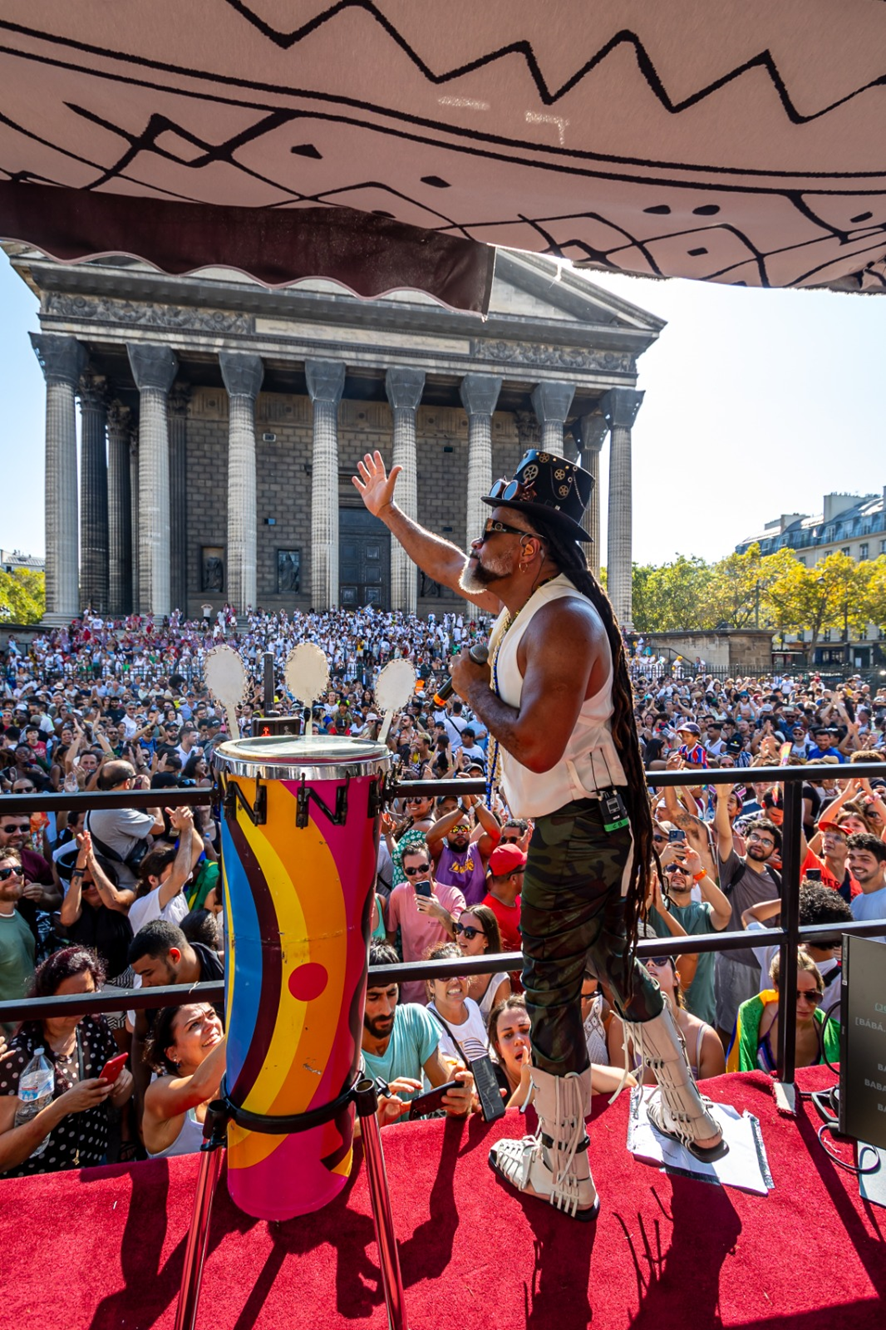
<point x="9" y="872"/>
<point x="461" y="826"/>
<point x="510" y="840"/>
<point x="656" y="836"/>
<point x="16" y="826"/>
<point x="674" y="868"/>
<point x="469" y="931"/>
<point x="413" y="872"/>
<point x="813" y="995"/>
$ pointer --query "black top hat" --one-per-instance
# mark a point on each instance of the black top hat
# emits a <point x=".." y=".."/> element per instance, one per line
<point x="548" y="488"/>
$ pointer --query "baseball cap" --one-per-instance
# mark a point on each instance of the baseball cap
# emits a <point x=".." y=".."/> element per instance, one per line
<point x="506" y="859"/>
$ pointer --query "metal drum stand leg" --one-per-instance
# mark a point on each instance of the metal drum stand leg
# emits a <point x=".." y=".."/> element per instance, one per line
<point x="215" y="1131"/>
<point x="366" y="1099"/>
<point x="218" y="1115"/>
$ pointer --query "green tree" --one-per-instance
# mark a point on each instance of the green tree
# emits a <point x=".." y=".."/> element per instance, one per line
<point x="873" y="605"/>
<point x="740" y="583"/>
<point x="22" y="596"/>
<point x="678" y="595"/>
<point x="829" y="595"/>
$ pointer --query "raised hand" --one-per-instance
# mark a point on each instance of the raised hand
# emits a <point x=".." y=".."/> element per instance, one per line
<point x="374" y="484"/>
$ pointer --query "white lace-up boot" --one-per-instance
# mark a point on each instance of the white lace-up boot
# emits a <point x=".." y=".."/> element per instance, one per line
<point x="553" y="1164"/>
<point x="678" y="1110"/>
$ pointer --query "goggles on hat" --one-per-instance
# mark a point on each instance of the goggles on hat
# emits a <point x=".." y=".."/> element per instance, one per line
<point x="511" y="489"/>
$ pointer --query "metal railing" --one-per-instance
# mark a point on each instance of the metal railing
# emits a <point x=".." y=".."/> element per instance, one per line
<point x="787" y="937"/>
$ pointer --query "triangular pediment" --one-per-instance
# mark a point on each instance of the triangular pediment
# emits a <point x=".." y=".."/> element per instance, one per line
<point x="534" y="287"/>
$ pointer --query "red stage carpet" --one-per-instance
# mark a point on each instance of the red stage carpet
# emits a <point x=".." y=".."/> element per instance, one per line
<point x="103" y="1249"/>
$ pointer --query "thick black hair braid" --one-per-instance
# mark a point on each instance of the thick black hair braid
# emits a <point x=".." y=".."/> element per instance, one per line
<point x="570" y="559"/>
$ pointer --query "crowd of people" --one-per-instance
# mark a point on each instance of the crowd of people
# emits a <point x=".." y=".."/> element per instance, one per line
<point x="117" y="898"/>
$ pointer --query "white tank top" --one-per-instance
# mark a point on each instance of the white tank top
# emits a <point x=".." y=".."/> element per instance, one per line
<point x="590" y="762"/>
<point x="188" y="1140"/>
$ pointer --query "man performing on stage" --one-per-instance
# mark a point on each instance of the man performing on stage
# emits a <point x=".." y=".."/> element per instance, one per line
<point x="556" y="699"/>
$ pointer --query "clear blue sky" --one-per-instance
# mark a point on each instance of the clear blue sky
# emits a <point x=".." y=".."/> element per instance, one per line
<point x="757" y="402"/>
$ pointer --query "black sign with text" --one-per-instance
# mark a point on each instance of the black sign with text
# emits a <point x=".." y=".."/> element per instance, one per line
<point x="863" y="1041"/>
<point x="264" y="726"/>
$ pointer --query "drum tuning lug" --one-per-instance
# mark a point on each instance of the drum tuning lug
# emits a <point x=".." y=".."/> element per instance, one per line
<point x="306" y="793"/>
<point x="257" y="812"/>
<point x="379" y="795"/>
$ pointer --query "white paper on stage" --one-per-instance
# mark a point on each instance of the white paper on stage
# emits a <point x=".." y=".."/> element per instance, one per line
<point x="745" y="1166"/>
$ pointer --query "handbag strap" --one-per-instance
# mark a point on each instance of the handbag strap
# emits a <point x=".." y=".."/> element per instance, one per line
<point x="464" y="1057"/>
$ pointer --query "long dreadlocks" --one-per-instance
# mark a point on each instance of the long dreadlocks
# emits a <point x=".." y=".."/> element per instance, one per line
<point x="569" y="558"/>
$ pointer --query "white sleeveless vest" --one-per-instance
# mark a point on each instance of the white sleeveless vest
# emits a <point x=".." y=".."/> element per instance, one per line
<point x="590" y="762"/>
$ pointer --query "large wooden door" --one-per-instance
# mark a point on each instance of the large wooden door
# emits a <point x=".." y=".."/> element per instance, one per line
<point x="364" y="560"/>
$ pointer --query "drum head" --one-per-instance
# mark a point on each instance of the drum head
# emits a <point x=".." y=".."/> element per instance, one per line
<point x="283" y="757"/>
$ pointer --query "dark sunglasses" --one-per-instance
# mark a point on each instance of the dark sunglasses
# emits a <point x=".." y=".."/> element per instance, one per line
<point x="9" y="872"/>
<point x="469" y="931"/>
<point x="510" y="840"/>
<point x="24" y="827"/>
<point x="492" y="528"/>
<point x="813" y="995"/>
<point x="412" y="872"/>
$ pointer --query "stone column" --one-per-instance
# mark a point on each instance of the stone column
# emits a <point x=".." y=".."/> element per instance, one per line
<point x="620" y="407"/>
<point x="326" y="381"/>
<point x="62" y="360"/>
<point x="153" y="368"/>
<point x="479" y="394"/>
<point x="243" y="376"/>
<point x="178" y="496"/>
<point x="404" y="388"/>
<point x="93" y="492"/>
<point x="119" y="512"/>
<point x="551" y="403"/>
<point x="593" y="435"/>
<point x="135" y="525"/>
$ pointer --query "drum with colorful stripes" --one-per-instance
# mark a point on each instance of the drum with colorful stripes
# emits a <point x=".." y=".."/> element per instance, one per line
<point x="299" y="847"/>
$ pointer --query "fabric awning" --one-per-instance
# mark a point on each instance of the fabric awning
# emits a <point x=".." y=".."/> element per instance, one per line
<point x="388" y="144"/>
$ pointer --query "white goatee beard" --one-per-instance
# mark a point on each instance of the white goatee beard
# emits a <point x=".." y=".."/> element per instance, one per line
<point x="469" y="581"/>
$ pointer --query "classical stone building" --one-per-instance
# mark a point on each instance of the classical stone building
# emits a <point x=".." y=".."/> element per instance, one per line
<point x="220" y="423"/>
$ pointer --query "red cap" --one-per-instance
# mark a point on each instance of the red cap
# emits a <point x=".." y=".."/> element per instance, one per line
<point x="506" y="859"/>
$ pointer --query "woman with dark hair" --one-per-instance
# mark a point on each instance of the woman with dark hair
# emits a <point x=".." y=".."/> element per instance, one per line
<point x="187" y="1049"/>
<point x="703" y="1046"/>
<point x="77" y="1048"/>
<point x="196" y="769"/>
<point x="477" y="931"/>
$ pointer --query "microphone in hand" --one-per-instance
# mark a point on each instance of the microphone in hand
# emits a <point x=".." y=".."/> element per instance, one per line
<point x="479" y="654"/>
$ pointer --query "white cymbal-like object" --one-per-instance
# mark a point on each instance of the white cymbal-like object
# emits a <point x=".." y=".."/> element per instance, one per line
<point x="394" y="688"/>
<point x="225" y="676"/>
<point x="307" y="675"/>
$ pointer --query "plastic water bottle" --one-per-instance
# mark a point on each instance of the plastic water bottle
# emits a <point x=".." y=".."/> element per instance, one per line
<point x="35" y="1090"/>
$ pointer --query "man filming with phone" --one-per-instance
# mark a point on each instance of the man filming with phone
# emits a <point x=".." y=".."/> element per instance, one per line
<point x="424" y="910"/>
<point x="400" y="1041"/>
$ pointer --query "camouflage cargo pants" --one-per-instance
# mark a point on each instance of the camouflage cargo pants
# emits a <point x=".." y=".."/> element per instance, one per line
<point x="572" y="916"/>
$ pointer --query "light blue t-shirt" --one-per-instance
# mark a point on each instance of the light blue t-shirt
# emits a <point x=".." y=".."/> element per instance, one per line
<point x="414" y="1038"/>
<point x="869" y="905"/>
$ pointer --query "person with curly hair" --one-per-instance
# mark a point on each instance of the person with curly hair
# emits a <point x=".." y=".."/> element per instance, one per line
<point x="187" y="1049"/>
<point x="77" y="1120"/>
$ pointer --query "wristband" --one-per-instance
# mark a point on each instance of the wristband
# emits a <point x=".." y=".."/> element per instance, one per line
<point x="78" y="872"/>
<point x="697" y="877"/>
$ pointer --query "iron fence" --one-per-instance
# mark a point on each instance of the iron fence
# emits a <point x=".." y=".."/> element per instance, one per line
<point x="788" y="936"/>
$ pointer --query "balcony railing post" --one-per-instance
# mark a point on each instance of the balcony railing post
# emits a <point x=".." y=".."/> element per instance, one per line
<point x="790" y="921"/>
